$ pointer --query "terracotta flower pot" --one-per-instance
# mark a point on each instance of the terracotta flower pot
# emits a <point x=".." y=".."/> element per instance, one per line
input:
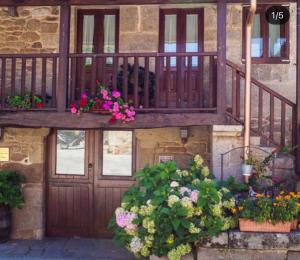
<point x="5" y="223"/>
<point x="294" y="225"/>
<point x="247" y="225"/>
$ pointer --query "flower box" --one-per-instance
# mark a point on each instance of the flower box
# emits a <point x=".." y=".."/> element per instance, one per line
<point x="247" y="225"/>
<point x="294" y="225"/>
<point x="100" y="111"/>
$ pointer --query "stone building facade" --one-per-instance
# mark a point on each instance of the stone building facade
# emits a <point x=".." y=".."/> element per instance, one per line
<point x="36" y="30"/>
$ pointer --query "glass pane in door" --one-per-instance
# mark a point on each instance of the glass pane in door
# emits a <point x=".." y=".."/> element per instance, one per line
<point x="109" y="35"/>
<point x="170" y="44"/>
<point x="192" y="39"/>
<point x="117" y="153"/>
<point x="88" y="36"/>
<point x="70" y="152"/>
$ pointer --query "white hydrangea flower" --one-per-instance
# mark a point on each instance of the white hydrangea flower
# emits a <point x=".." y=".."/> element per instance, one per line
<point x="136" y="245"/>
<point x="172" y="199"/>
<point x="205" y="171"/>
<point x="174" y="184"/>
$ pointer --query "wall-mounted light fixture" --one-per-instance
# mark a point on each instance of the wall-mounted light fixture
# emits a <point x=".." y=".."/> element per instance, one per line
<point x="184" y="134"/>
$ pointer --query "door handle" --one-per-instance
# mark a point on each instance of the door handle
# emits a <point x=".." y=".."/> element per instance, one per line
<point x="90" y="166"/>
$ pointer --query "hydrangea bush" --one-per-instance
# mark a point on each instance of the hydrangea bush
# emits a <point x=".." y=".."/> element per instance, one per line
<point x="169" y="210"/>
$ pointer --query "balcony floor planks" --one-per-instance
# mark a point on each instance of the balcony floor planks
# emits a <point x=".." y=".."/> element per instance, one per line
<point x="66" y="120"/>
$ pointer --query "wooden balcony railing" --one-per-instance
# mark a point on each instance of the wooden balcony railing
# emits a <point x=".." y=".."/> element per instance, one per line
<point x="152" y="81"/>
<point x="273" y="116"/>
<point x="169" y="82"/>
<point x="34" y="74"/>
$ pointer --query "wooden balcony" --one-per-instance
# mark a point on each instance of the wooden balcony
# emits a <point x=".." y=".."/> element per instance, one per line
<point x="155" y="83"/>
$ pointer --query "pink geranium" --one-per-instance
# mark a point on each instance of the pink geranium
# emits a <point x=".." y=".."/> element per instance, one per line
<point x="104" y="93"/>
<point x="106" y="106"/>
<point x="84" y="95"/>
<point x="108" y="100"/>
<point x="116" y="94"/>
<point x="73" y="110"/>
<point x="116" y="107"/>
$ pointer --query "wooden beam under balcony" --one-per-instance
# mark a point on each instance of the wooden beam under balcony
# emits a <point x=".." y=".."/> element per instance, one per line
<point x="119" y="2"/>
<point x="65" y="120"/>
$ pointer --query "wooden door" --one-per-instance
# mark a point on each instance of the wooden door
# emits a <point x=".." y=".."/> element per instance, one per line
<point x="83" y="186"/>
<point x="182" y="31"/>
<point x="110" y="183"/>
<point x="97" y="33"/>
<point x="70" y="184"/>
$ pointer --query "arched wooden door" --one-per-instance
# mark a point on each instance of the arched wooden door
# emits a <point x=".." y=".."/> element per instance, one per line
<point x="87" y="175"/>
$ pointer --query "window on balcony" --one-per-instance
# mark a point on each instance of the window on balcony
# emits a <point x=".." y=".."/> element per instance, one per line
<point x="270" y="43"/>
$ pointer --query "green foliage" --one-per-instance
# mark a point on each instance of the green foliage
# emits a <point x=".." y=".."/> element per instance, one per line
<point x="169" y="209"/>
<point x="10" y="189"/>
<point x="23" y="102"/>
<point x="233" y="186"/>
<point x="288" y="149"/>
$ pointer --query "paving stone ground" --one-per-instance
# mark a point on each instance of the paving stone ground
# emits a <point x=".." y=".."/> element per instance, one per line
<point x="59" y="248"/>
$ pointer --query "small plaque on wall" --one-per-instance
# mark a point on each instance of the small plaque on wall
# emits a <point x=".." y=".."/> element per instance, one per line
<point x="4" y="154"/>
<point x="165" y="158"/>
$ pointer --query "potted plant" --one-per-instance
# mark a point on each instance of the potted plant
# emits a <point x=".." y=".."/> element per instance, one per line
<point x="169" y="210"/>
<point x="10" y="197"/>
<point x="247" y="167"/>
<point x="25" y="102"/>
<point x="267" y="214"/>
<point x="106" y="101"/>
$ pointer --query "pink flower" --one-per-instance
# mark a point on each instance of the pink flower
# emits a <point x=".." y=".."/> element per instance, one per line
<point x="130" y="113"/>
<point x="106" y="106"/>
<point x="183" y="190"/>
<point x="104" y="93"/>
<point x="194" y="195"/>
<point x="118" y="115"/>
<point x="124" y="220"/>
<point x="116" y="94"/>
<point x="74" y="110"/>
<point x="116" y="107"/>
<point x="84" y="95"/>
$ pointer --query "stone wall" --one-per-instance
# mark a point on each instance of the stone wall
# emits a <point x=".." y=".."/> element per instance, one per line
<point x="152" y="143"/>
<point x="34" y="29"/>
<point x="27" y="156"/>
<point x="236" y="245"/>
